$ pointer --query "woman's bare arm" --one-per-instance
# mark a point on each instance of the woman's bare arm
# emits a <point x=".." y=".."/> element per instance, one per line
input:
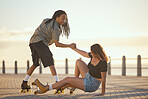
<point x="103" y="75"/>
<point x="81" y="52"/>
<point x="103" y="80"/>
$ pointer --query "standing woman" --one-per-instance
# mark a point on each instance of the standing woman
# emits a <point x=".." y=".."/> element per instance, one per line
<point x="46" y="34"/>
<point x="92" y="74"/>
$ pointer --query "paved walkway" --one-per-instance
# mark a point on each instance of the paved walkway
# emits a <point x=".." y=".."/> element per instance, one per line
<point x="118" y="87"/>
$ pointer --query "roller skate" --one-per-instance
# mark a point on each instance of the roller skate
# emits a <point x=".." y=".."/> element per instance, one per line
<point x="59" y="91"/>
<point x="25" y="87"/>
<point x="42" y="88"/>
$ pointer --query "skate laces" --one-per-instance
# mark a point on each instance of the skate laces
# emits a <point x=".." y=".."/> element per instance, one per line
<point x="47" y="86"/>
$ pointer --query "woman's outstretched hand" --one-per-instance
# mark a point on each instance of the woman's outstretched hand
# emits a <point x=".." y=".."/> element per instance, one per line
<point x="72" y="46"/>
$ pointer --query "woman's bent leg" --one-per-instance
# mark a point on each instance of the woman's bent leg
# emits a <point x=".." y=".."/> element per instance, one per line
<point x="72" y="81"/>
<point x="80" y="68"/>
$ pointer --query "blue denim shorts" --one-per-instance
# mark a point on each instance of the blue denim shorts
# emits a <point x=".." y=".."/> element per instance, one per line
<point x="91" y="84"/>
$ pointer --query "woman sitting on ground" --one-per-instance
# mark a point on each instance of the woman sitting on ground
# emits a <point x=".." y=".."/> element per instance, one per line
<point x="92" y="74"/>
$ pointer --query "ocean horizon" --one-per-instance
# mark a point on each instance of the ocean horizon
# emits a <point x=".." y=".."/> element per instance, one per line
<point x="131" y="68"/>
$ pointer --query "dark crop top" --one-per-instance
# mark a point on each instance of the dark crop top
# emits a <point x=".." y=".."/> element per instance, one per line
<point x="95" y="71"/>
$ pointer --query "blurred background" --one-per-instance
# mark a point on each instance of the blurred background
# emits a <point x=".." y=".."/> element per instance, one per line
<point x="120" y="26"/>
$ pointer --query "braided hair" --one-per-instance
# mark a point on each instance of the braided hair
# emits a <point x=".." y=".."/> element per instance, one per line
<point x="65" y="26"/>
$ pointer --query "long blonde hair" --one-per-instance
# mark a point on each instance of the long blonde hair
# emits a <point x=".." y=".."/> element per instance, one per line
<point x="97" y="49"/>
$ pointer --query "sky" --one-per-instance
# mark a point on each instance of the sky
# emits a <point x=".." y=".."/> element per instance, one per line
<point x="120" y="26"/>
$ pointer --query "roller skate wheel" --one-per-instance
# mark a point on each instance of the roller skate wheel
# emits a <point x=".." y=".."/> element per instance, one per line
<point x="59" y="92"/>
<point x="56" y="92"/>
<point x="33" y="83"/>
<point x="21" y="91"/>
<point x="29" y="90"/>
<point x="36" y="92"/>
<point x="71" y="92"/>
<point x="62" y="91"/>
<point x="24" y="91"/>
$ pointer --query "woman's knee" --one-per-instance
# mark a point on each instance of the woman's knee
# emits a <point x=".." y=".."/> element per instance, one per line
<point x="79" y="61"/>
<point x="67" y="79"/>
